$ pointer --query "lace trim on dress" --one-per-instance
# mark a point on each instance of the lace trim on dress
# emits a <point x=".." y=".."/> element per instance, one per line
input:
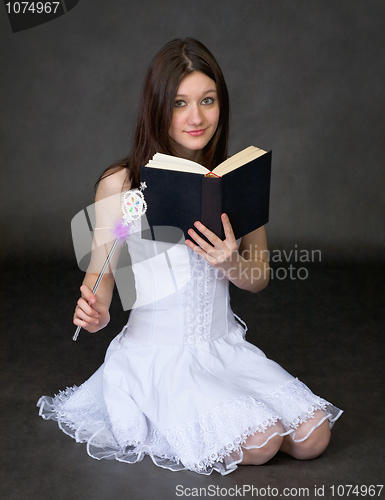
<point x="197" y="300"/>
<point x="210" y="442"/>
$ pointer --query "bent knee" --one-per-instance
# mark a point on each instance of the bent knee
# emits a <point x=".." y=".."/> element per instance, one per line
<point x="259" y="456"/>
<point x="314" y="445"/>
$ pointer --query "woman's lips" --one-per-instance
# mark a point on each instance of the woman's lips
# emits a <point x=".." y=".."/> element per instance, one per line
<point x="196" y="133"/>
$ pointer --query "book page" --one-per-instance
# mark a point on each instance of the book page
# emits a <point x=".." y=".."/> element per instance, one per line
<point x="167" y="162"/>
<point x="160" y="160"/>
<point x="239" y="159"/>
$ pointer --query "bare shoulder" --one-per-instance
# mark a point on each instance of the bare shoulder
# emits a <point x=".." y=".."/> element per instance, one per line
<point x="112" y="184"/>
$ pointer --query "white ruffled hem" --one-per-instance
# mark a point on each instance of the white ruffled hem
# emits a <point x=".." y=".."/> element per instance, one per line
<point x="211" y="441"/>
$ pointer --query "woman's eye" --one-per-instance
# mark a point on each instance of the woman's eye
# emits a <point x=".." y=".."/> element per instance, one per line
<point x="208" y="100"/>
<point x="179" y="104"/>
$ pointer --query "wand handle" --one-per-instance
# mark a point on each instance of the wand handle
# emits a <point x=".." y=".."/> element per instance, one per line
<point x="100" y="277"/>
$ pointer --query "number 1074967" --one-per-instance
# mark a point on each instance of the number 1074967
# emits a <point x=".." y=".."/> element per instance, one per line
<point x="32" y="7"/>
<point x="346" y="490"/>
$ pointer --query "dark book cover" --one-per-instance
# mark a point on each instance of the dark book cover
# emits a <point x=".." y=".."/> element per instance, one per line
<point x="175" y="200"/>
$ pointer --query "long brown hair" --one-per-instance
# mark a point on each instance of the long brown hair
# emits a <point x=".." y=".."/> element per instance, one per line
<point x="171" y="64"/>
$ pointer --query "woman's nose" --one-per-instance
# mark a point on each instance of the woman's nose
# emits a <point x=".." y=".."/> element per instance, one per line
<point x="195" y="116"/>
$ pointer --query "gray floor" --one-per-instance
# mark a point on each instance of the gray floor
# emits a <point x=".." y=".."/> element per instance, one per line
<point x="327" y="330"/>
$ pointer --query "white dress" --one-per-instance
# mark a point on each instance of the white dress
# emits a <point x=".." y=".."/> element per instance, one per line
<point x="179" y="382"/>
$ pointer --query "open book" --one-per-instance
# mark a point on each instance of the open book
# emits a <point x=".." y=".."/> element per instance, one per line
<point x="180" y="192"/>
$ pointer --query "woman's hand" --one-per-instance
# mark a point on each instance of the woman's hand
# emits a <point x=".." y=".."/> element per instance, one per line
<point x="220" y="252"/>
<point x="246" y="267"/>
<point x="90" y="313"/>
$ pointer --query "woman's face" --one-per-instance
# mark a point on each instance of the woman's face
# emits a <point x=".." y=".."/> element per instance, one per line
<point x="195" y="116"/>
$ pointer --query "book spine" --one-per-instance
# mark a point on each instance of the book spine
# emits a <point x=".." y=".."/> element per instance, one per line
<point x="212" y="205"/>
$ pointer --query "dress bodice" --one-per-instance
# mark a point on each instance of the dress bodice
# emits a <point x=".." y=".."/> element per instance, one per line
<point x="180" y="297"/>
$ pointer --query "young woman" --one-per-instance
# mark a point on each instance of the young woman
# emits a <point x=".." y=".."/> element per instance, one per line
<point x="180" y="383"/>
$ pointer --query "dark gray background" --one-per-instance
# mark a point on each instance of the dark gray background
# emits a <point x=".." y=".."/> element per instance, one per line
<point x="306" y="79"/>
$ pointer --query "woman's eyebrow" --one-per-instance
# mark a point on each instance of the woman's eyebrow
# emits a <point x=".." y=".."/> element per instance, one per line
<point x="205" y="92"/>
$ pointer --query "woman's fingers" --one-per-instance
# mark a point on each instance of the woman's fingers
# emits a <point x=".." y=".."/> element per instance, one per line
<point x="85" y="310"/>
<point x="200" y="241"/>
<point x="213" y="238"/>
<point x="84" y="321"/>
<point x="90" y="313"/>
<point x="228" y="228"/>
<point x="86" y="306"/>
<point x="201" y="246"/>
<point x="217" y="251"/>
<point x="87" y="294"/>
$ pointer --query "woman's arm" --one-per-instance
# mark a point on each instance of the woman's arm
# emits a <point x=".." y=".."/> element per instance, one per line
<point x="246" y="267"/>
<point x="92" y="311"/>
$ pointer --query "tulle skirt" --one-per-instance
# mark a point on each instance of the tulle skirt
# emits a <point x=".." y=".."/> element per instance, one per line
<point x="186" y="406"/>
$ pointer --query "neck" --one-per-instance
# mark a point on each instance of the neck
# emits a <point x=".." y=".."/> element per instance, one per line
<point x="188" y="154"/>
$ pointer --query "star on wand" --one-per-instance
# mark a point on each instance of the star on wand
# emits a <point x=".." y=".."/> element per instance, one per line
<point x="133" y="207"/>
